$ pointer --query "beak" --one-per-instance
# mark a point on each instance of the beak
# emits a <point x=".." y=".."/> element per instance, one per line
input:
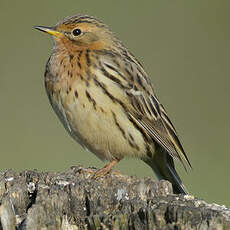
<point x="49" y="30"/>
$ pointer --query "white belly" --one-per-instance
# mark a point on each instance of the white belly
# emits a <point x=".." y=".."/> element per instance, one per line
<point x="95" y="129"/>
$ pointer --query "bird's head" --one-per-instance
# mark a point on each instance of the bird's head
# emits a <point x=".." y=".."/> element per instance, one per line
<point x="81" y="32"/>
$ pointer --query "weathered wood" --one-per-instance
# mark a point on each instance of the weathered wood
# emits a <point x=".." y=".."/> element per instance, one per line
<point x="73" y="200"/>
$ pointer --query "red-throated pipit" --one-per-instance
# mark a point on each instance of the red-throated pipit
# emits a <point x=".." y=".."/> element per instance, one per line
<point x="105" y="99"/>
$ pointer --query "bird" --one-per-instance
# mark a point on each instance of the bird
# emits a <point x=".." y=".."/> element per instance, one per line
<point x="105" y="99"/>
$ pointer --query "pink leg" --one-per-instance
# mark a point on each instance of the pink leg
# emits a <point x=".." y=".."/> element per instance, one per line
<point x="105" y="170"/>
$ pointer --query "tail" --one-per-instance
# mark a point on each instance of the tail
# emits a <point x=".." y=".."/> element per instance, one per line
<point x="164" y="168"/>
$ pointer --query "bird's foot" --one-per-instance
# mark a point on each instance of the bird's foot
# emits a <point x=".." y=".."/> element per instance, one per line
<point x="105" y="170"/>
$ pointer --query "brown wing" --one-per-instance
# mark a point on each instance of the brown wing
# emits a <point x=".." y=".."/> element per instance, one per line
<point x="152" y="117"/>
<point x="145" y="109"/>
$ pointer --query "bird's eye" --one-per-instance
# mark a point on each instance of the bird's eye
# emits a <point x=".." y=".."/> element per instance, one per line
<point x="76" y="32"/>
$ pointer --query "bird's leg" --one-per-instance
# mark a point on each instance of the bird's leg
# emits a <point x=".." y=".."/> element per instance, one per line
<point x="105" y="170"/>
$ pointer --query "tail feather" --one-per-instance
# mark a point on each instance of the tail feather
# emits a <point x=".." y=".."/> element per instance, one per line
<point x="164" y="168"/>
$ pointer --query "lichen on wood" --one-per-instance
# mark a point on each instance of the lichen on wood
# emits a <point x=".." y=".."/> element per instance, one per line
<point x="73" y="199"/>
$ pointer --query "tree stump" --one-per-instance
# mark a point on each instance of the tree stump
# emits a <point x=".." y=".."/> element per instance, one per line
<point x="72" y="200"/>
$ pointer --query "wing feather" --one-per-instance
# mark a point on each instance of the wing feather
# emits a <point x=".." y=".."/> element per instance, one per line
<point x="158" y="126"/>
<point x="145" y="109"/>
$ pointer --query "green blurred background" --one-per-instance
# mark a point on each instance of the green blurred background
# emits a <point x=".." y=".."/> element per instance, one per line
<point x="184" y="46"/>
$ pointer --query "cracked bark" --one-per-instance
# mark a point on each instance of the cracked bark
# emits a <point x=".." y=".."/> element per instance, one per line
<point x="32" y="200"/>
